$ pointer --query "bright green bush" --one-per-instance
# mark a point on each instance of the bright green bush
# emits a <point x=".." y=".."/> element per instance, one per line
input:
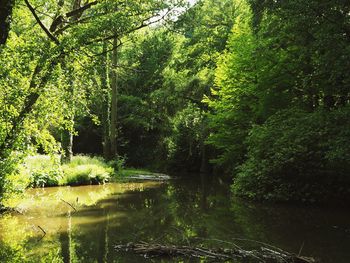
<point x="43" y="170"/>
<point x="298" y="156"/>
<point x="82" y="174"/>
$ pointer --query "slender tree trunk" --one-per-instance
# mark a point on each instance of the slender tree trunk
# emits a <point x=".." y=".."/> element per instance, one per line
<point x="204" y="158"/>
<point x="106" y="104"/>
<point x="67" y="132"/>
<point x="67" y="146"/>
<point x="6" y="7"/>
<point x="114" y="98"/>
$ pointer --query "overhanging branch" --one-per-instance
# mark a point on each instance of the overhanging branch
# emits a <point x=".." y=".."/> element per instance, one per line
<point x="74" y="13"/>
<point x="32" y="10"/>
<point x="142" y="25"/>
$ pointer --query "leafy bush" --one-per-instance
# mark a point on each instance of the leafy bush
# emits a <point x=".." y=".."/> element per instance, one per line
<point x="298" y="156"/>
<point x="118" y="164"/>
<point x="42" y="170"/>
<point x="45" y="178"/>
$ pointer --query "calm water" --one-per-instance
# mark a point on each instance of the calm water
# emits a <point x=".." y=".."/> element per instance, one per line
<point x="178" y="212"/>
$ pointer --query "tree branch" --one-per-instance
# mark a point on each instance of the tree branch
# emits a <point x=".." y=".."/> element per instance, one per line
<point x="80" y="10"/>
<point x="142" y="25"/>
<point x="74" y="13"/>
<point x="32" y="10"/>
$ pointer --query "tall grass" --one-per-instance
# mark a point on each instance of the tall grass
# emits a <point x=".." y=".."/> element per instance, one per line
<point x="43" y="170"/>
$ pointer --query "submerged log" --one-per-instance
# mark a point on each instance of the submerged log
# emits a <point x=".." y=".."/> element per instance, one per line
<point x="262" y="255"/>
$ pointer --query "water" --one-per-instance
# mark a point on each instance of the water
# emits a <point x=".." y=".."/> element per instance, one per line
<point x="176" y="212"/>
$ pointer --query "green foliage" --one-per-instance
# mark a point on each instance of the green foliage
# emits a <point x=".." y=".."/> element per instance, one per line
<point x="42" y="171"/>
<point x="234" y="97"/>
<point x="86" y="170"/>
<point x="45" y="73"/>
<point x="278" y="111"/>
<point x="84" y="174"/>
<point x="298" y="156"/>
<point x="118" y="164"/>
<point x="184" y="144"/>
<point x="265" y="83"/>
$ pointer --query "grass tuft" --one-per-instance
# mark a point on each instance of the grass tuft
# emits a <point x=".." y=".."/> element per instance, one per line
<point x="43" y="170"/>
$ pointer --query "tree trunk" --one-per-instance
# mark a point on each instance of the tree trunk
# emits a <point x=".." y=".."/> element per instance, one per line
<point x="204" y="158"/>
<point x="67" y="146"/>
<point x="114" y="98"/>
<point x="106" y="104"/>
<point x="6" y="7"/>
<point x="67" y="132"/>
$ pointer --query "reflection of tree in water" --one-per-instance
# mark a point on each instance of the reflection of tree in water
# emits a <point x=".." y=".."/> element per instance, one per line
<point x="195" y="211"/>
<point x="65" y="238"/>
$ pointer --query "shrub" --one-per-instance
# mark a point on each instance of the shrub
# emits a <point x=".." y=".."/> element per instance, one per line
<point x="83" y="174"/>
<point x="118" y="164"/>
<point x="42" y="170"/>
<point x="298" y="156"/>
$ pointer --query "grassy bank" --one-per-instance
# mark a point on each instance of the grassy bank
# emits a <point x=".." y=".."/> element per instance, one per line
<point x="46" y="171"/>
<point x="43" y="170"/>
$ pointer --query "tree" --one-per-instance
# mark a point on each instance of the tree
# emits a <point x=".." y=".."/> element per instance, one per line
<point x="114" y="99"/>
<point x="190" y="75"/>
<point x="234" y="98"/>
<point x="279" y="86"/>
<point x="66" y="30"/>
<point x="6" y="7"/>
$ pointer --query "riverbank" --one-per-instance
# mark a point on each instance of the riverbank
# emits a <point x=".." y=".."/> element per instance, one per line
<point x="41" y="171"/>
<point x="47" y="171"/>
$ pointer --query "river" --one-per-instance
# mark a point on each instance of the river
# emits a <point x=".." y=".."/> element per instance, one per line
<point x="83" y="224"/>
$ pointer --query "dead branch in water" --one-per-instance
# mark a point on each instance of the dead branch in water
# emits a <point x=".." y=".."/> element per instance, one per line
<point x="44" y="233"/>
<point x="69" y="204"/>
<point x="262" y="255"/>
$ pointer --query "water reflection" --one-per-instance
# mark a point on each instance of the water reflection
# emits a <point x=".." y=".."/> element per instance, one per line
<point x="181" y="212"/>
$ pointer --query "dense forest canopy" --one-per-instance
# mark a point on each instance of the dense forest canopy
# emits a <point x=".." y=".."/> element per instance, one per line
<point x="257" y="90"/>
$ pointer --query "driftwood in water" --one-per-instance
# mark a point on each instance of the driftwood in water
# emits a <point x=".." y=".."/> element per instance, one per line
<point x="261" y="255"/>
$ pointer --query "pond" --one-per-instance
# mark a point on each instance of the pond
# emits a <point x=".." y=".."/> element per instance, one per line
<point x="83" y="224"/>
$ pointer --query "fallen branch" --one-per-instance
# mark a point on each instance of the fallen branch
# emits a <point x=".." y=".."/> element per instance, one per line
<point x="44" y="233"/>
<point x="69" y="204"/>
<point x="261" y="255"/>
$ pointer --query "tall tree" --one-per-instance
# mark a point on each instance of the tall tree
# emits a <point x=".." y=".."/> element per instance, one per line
<point x="114" y="100"/>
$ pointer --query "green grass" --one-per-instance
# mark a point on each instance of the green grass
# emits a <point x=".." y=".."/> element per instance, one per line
<point x="43" y="170"/>
<point x="82" y="174"/>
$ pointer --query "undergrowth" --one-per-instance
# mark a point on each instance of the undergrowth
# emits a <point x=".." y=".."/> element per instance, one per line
<point x="43" y="171"/>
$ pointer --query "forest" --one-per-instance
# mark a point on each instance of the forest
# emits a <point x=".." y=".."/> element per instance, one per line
<point x="248" y="96"/>
<point x="256" y="90"/>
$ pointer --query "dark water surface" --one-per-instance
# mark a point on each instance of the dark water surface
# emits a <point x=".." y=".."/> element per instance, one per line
<point x="182" y="211"/>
